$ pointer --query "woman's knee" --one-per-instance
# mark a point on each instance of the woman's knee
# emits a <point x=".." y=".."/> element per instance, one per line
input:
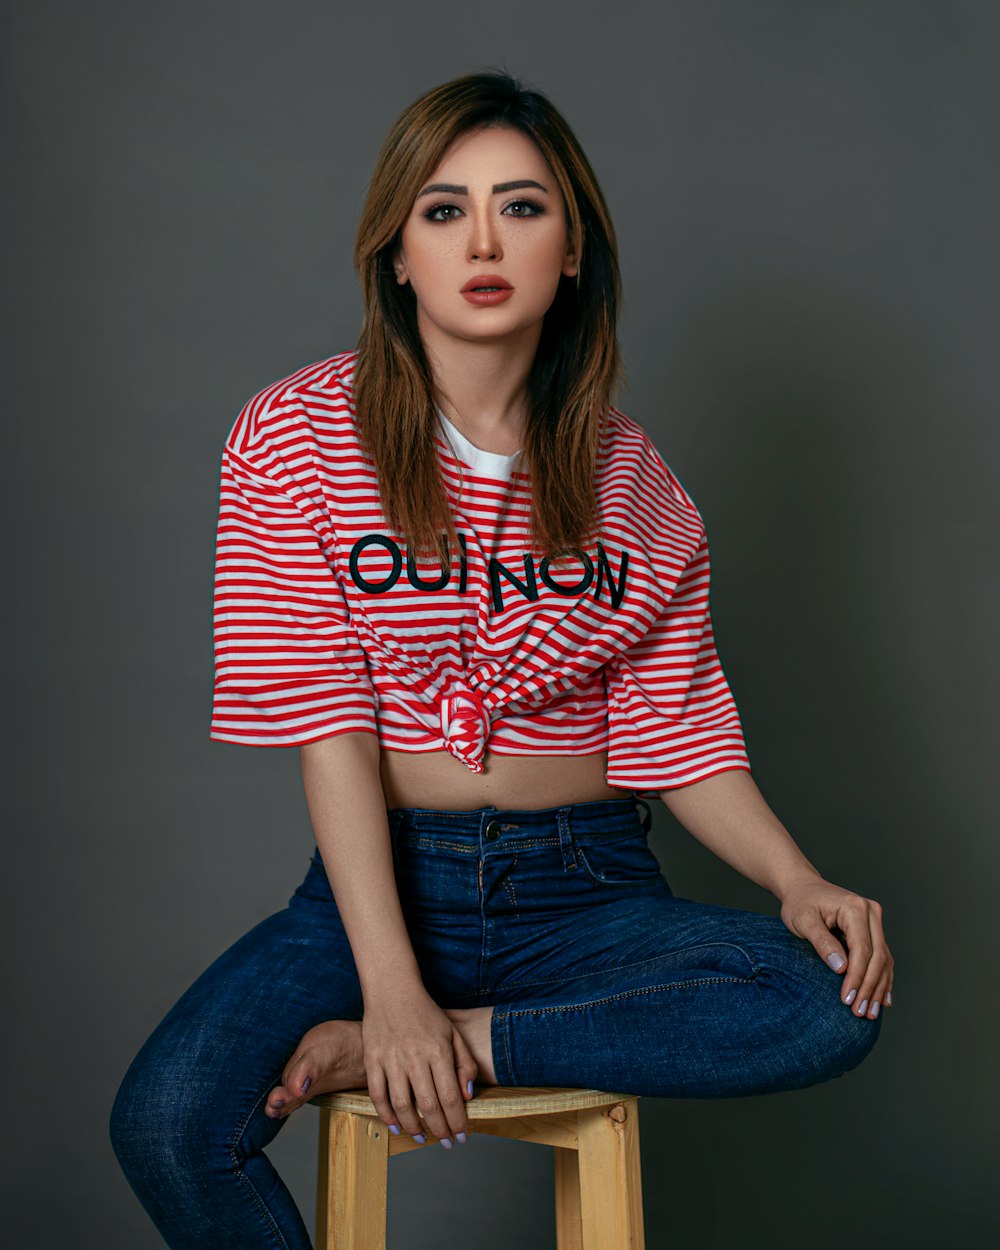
<point x="826" y="1037"/>
<point x="835" y="1039"/>
<point x="152" y="1127"/>
<point x="851" y="1039"/>
<point x="170" y="1121"/>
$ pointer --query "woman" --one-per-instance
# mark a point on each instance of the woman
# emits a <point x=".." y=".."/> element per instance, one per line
<point x="473" y="594"/>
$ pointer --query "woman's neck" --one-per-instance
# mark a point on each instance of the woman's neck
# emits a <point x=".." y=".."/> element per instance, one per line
<point x="482" y="387"/>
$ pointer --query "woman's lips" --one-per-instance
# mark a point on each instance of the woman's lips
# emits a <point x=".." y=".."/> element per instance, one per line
<point x="488" y="297"/>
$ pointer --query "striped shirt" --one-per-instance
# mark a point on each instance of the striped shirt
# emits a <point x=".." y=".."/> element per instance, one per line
<point x="324" y="624"/>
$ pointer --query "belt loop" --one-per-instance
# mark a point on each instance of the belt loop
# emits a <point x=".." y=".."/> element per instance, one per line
<point x="647" y="820"/>
<point x="566" y="839"/>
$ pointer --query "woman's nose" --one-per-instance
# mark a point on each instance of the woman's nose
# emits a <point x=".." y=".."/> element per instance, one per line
<point x="484" y="243"/>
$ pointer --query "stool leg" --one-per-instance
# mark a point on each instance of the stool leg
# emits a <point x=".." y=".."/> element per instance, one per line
<point x="569" y="1227"/>
<point x="352" y="1183"/>
<point x="610" y="1177"/>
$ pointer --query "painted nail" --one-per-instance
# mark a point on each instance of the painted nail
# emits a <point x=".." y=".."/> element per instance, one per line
<point x="874" y="1010"/>
<point x="888" y="998"/>
<point x="468" y="1083"/>
<point x="306" y="1083"/>
<point x="851" y="997"/>
<point x="446" y="1142"/>
<point x="278" y="1102"/>
<point x="460" y="1137"/>
<point x="419" y="1137"/>
<point x="835" y="961"/>
<point x="863" y="1007"/>
<point x="394" y="1128"/>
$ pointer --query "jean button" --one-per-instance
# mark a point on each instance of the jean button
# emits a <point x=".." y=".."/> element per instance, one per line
<point x="493" y="830"/>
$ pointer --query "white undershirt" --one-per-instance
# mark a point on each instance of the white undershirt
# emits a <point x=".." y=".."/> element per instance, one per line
<point x="489" y="463"/>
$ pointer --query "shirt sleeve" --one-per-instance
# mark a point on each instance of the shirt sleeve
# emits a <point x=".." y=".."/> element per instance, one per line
<point x="289" y="667"/>
<point x="672" y="718"/>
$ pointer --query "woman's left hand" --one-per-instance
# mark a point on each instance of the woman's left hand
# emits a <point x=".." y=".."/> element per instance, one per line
<point x="823" y="914"/>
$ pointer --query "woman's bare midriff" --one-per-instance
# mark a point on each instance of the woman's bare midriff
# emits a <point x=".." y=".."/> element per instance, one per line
<point x="437" y="781"/>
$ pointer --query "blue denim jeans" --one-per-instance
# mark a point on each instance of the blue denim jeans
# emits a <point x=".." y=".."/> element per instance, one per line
<point x="560" y="919"/>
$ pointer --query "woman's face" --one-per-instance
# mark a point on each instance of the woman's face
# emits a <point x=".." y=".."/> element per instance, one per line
<point x="492" y="208"/>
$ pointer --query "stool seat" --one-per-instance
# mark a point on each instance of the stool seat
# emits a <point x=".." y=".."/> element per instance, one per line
<point x="594" y="1136"/>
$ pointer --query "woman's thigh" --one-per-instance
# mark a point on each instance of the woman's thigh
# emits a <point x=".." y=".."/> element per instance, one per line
<point x="192" y="1099"/>
<point x="672" y="997"/>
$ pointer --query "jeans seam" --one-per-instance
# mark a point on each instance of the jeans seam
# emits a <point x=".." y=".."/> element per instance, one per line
<point x="425" y="843"/>
<point x="613" y="998"/>
<point x="240" y="1172"/>
<point x="448" y="815"/>
<point x="464" y="815"/>
<point x="636" y="963"/>
<point x="564" y="978"/>
<point x="429" y="842"/>
<point x="508" y="885"/>
<point x="506" y="1047"/>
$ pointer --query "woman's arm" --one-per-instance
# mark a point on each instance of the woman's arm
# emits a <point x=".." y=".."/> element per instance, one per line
<point x="347" y="807"/>
<point x="728" y="814"/>
<point x="415" y="1059"/>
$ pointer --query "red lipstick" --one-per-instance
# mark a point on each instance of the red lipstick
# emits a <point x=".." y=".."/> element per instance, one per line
<point x="487" y="288"/>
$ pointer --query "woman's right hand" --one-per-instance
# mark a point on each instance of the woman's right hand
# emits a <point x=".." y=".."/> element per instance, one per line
<point x="417" y="1065"/>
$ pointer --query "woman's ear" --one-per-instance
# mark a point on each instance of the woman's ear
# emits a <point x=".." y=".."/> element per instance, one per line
<point x="571" y="261"/>
<point x="399" y="267"/>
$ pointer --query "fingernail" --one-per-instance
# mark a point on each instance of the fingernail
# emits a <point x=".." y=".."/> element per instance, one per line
<point x="306" y="1083"/>
<point x="460" y="1137"/>
<point x="851" y="997"/>
<point x="875" y="1010"/>
<point x="468" y="1083"/>
<point x="446" y="1142"/>
<point x="419" y="1137"/>
<point x="863" y="1007"/>
<point x="394" y="1128"/>
<point x="835" y="961"/>
<point x="888" y="998"/>
<point x="278" y="1102"/>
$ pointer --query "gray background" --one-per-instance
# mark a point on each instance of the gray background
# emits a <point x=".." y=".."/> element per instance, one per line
<point x="806" y="199"/>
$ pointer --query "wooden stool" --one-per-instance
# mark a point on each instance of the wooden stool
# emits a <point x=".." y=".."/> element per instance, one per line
<point x="595" y="1141"/>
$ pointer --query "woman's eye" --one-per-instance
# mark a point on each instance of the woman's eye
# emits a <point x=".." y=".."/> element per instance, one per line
<point x="534" y="207"/>
<point x="525" y="208"/>
<point x="431" y="213"/>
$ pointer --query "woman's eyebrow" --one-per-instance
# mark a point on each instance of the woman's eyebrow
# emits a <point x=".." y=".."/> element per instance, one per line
<point x="450" y="188"/>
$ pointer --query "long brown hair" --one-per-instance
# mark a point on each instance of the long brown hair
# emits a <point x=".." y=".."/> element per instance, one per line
<point x="577" y="365"/>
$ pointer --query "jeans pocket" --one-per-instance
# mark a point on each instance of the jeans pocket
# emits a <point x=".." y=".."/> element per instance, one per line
<point x="620" y="861"/>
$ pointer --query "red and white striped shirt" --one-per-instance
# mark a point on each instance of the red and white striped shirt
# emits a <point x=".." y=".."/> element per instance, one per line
<point x="325" y="625"/>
